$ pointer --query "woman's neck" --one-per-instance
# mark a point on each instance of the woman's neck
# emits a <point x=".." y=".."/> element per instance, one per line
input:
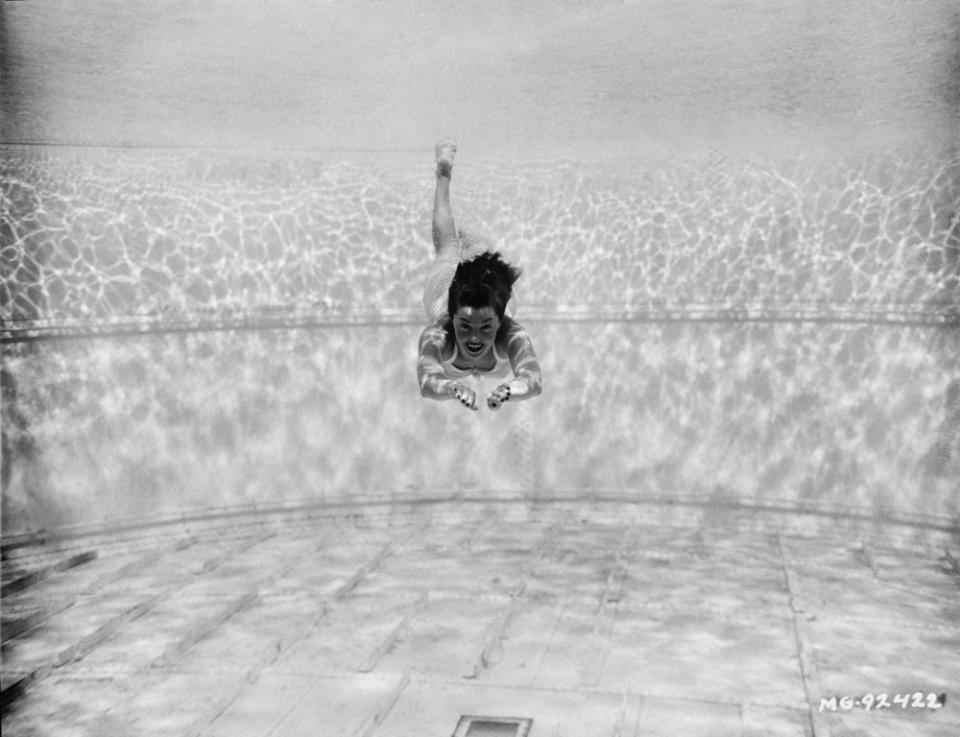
<point x="485" y="361"/>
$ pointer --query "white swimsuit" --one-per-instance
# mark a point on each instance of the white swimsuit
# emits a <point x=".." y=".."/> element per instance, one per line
<point x="500" y="369"/>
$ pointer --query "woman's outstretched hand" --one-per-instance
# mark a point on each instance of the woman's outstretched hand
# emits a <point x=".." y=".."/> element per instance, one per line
<point x="465" y="395"/>
<point x="498" y="396"/>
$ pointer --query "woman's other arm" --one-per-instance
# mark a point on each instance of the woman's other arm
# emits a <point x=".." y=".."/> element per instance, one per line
<point x="526" y="367"/>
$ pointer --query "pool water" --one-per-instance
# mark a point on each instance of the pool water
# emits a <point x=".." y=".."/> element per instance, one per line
<point x="227" y="510"/>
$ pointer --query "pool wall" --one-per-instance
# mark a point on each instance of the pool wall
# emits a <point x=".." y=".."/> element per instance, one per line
<point x="203" y="330"/>
<point x="738" y="224"/>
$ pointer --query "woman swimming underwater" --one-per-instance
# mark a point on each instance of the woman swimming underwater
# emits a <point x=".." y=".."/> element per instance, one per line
<point x="466" y="298"/>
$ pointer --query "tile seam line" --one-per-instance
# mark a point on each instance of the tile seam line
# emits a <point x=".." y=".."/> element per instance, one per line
<point x="616" y="582"/>
<point x="425" y="680"/>
<point x="805" y="653"/>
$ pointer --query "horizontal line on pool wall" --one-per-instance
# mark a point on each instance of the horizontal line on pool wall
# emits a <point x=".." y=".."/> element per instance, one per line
<point x="23" y="330"/>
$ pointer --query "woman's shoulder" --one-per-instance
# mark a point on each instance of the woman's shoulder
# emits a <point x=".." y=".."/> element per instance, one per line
<point x="510" y="330"/>
<point x="436" y="335"/>
<point x="510" y="327"/>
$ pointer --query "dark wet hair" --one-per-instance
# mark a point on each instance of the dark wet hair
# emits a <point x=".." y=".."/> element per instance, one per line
<point x="484" y="281"/>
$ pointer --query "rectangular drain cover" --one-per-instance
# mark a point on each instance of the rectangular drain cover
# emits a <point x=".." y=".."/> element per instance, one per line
<point x="471" y="726"/>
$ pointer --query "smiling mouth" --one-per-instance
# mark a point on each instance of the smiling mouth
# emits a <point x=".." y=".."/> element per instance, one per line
<point x="474" y="347"/>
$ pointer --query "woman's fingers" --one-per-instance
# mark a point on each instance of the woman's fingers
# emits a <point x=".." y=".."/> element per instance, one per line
<point x="466" y="397"/>
<point x="498" y="396"/>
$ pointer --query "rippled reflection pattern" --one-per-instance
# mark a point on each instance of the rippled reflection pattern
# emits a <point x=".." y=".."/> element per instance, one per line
<point x="167" y="236"/>
<point x="105" y="430"/>
<point x="863" y="413"/>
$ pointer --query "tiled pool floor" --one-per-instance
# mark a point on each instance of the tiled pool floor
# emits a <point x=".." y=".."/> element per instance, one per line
<point x="608" y="621"/>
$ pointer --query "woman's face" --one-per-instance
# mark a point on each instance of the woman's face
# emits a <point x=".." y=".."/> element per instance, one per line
<point x="475" y="329"/>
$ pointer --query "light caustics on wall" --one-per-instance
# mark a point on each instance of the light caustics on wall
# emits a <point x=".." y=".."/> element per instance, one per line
<point x="783" y="408"/>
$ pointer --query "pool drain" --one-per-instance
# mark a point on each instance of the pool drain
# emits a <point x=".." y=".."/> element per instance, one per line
<point x="472" y="726"/>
